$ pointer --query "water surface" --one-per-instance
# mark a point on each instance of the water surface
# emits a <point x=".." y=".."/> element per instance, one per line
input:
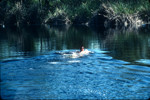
<point x="37" y="63"/>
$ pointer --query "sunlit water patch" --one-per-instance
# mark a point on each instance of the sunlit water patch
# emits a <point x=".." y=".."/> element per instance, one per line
<point x="56" y="76"/>
<point x="144" y="61"/>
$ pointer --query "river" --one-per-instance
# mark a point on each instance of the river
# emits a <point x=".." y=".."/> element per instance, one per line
<point x="38" y="62"/>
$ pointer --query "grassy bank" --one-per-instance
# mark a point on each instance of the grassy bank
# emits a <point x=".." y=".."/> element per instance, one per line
<point x="41" y="11"/>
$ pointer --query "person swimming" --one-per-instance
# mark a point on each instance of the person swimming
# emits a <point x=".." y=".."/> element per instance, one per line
<point x="76" y="54"/>
<point x="82" y="49"/>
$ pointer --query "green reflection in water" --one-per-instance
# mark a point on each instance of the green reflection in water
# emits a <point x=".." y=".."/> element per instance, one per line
<point x="36" y="40"/>
<point x="129" y="45"/>
<point x="30" y="41"/>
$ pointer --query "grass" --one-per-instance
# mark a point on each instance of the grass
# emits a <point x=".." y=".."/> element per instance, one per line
<point x="87" y="8"/>
<point x="83" y="9"/>
<point x="130" y="7"/>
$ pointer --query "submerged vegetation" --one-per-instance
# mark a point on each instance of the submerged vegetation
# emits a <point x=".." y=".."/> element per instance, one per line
<point x="66" y="11"/>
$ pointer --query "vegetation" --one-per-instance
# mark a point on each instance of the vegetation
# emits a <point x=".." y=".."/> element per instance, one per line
<point x="130" y="6"/>
<point x="40" y="11"/>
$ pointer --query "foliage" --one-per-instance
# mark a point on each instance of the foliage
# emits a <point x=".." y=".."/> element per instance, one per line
<point x="130" y="7"/>
<point x="39" y="11"/>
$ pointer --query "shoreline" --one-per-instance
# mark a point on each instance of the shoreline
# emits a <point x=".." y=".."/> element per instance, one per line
<point x="105" y="16"/>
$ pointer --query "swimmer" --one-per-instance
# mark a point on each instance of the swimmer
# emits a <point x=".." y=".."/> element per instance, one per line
<point x="77" y="54"/>
<point x="82" y="49"/>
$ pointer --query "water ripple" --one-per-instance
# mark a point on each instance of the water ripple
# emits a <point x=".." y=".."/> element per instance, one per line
<point x="93" y="76"/>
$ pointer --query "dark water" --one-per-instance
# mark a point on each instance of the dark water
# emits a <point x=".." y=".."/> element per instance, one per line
<point x="38" y="62"/>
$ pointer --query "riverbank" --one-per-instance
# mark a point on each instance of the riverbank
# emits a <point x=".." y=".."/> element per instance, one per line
<point x="102" y="13"/>
<point x="108" y="18"/>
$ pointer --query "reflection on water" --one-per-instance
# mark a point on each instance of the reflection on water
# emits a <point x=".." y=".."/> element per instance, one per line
<point x="41" y="62"/>
<point x="129" y="46"/>
<point x="36" y="40"/>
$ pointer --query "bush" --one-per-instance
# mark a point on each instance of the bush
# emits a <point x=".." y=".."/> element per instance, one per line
<point x="40" y="11"/>
<point x="35" y="15"/>
<point x="129" y="7"/>
<point x="15" y="15"/>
